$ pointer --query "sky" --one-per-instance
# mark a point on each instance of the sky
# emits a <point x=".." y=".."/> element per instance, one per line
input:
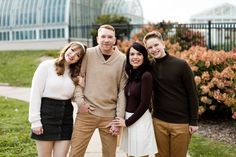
<point x="177" y="10"/>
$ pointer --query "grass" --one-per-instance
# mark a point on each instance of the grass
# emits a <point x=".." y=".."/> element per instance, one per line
<point x="17" y="67"/>
<point x="15" y="135"/>
<point x="15" y="129"/>
<point x="204" y="147"/>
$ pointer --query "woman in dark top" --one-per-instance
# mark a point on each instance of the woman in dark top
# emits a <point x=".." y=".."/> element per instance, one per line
<point x="138" y="136"/>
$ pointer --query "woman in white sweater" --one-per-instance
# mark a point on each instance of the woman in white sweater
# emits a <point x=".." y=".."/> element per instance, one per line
<point x="51" y="111"/>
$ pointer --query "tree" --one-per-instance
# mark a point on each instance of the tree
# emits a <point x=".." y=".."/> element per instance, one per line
<point x="120" y="23"/>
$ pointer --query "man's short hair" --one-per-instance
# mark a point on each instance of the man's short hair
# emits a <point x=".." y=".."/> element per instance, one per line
<point x="106" y="26"/>
<point x="153" y="34"/>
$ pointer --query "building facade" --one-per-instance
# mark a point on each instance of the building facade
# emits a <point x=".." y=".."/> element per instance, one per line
<point x="224" y="13"/>
<point x="50" y="24"/>
<point x="45" y="24"/>
<point x="128" y="8"/>
<point x="222" y="20"/>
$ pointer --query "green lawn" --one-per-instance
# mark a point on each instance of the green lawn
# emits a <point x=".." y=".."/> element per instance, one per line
<point x="15" y="135"/>
<point x="204" y="147"/>
<point x="15" y="129"/>
<point x="17" y="67"/>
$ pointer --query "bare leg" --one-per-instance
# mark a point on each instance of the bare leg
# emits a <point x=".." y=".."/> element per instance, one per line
<point x="61" y="148"/>
<point x="44" y="148"/>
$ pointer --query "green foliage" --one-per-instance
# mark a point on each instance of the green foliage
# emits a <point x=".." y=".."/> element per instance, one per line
<point x="15" y="129"/>
<point x="204" y="147"/>
<point x="17" y="67"/>
<point x="182" y="35"/>
<point x="187" y="38"/>
<point x="163" y="27"/>
<point x="121" y="24"/>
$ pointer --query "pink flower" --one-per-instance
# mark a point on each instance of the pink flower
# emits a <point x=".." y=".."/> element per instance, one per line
<point x="205" y="76"/>
<point x="201" y="110"/>
<point x="207" y="64"/>
<point x="212" y="107"/>
<point x="234" y="115"/>
<point x="197" y="80"/>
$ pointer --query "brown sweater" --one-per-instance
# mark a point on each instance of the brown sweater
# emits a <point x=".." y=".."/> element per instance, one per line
<point x="138" y="96"/>
<point x="175" y="94"/>
<point x="104" y="83"/>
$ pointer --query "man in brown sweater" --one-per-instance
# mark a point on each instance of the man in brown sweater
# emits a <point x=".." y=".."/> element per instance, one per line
<point x="102" y="97"/>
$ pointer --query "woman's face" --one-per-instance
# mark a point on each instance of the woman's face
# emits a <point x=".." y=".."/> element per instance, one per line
<point x="72" y="55"/>
<point x="135" y="58"/>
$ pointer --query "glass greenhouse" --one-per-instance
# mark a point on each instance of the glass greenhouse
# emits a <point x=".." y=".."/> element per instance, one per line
<point x="129" y="8"/>
<point x="50" y="24"/>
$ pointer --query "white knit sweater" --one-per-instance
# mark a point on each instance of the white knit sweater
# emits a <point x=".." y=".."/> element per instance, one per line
<point x="46" y="83"/>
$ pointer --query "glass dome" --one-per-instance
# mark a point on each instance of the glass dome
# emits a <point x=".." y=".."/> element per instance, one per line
<point x="128" y="8"/>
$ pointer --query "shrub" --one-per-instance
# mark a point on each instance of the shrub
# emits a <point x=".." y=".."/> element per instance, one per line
<point x="215" y="76"/>
<point x="187" y="38"/>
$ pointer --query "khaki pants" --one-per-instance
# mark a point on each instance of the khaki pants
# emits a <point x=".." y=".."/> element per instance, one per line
<point x="85" y="125"/>
<point x="172" y="139"/>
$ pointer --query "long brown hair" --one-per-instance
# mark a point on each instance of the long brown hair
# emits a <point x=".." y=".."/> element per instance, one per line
<point x="74" y="68"/>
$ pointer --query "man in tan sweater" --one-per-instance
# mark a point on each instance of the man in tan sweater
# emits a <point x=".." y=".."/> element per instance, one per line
<point x="102" y="97"/>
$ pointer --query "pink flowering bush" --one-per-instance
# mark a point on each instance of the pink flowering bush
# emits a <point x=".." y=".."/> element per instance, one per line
<point x="215" y="77"/>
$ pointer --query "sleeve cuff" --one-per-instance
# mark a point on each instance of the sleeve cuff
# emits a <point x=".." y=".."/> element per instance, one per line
<point x="36" y="124"/>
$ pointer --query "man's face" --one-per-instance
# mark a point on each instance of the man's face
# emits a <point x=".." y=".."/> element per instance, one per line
<point x="106" y="39"/>
<point x="155" y="47"/>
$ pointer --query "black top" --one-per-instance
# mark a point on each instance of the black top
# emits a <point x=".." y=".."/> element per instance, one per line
<point x="138" y="96"/>
<point x="175" y="93"/>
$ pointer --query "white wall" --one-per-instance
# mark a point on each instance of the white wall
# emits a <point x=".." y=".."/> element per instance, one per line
<point x="38" y="45"/>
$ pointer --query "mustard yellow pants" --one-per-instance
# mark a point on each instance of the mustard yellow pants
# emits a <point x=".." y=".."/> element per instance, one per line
<point x="85" y="125"/>
<point x="172" y="139"/>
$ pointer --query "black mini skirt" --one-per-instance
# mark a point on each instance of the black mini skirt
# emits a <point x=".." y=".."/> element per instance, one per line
<point x="57" y="120"/>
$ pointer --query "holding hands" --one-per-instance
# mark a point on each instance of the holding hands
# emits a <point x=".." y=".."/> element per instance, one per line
<point x="114" y="130"/>
<point x="115" y="125"/>
<point x="119" y="122"/>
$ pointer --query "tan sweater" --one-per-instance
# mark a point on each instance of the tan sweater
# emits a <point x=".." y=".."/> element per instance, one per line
<point x="104" y="83"/>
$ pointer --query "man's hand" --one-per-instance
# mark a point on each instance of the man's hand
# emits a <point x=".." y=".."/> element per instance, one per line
<point x="38" y="130"/>
<point x="84" y="107"/>
<point x="114" y="130"/>
<point x="193" y="129"/>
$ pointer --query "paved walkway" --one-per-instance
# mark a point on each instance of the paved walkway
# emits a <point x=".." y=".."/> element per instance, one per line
<point x="94" y="147"/>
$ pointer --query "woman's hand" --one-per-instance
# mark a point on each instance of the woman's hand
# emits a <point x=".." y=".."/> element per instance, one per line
<point x="38" y="130"/>
<point x="81" y="81"/>
<point x="118" y="121"/>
